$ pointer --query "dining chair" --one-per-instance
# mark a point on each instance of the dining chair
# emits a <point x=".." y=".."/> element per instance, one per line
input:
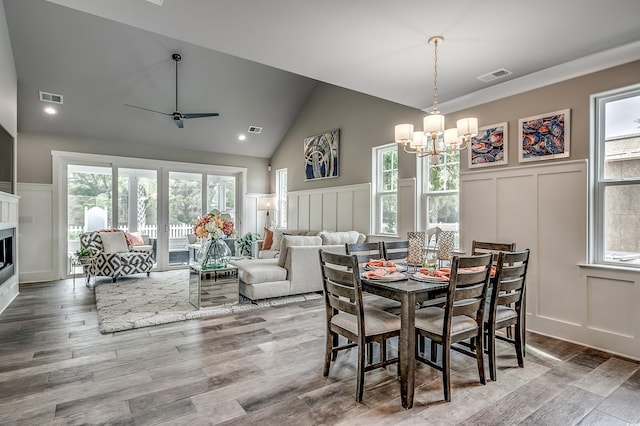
<point x="346" y="315"/>
<point x="365" y="252"/>
<point x="482" y="247"/>
<point x="506" y="306"/>
<point x="395" y="250"/>
<point x="460" y="319"/>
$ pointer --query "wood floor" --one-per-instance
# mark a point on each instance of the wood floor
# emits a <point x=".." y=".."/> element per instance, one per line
<point x="265" y="367"/>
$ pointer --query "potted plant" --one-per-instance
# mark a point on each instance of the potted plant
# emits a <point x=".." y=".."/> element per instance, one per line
<point x="243" y="244"/>
<point x="83" y="254"/>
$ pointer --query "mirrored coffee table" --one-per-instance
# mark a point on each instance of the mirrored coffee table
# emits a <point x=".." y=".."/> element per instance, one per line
<point x="213" y="287"/>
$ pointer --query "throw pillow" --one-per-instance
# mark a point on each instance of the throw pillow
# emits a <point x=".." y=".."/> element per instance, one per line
<point x="135" y="238"/>
<point x="116" y="230"/>
<point x="114" y="242"/>
<point x="295" y="241"/>
<point x="268" y="239"/>
<point x="335" y="238"/>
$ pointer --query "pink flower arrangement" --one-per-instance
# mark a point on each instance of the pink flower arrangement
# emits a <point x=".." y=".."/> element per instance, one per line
<point x="214" y="225"/>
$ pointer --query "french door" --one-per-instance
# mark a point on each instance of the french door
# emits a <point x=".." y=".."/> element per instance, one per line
<point x="162" y="201"/>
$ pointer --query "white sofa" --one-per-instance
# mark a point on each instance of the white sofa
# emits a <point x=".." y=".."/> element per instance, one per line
<point x="296" y="270"/>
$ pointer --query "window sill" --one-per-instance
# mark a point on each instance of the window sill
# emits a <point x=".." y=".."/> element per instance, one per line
<point x="608" y="267"/>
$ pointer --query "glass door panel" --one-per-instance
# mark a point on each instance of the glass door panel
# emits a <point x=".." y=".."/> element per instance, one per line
<point x="89" y="201"/>
<point x="138" y="202"/>
<point x="185" y="207"/>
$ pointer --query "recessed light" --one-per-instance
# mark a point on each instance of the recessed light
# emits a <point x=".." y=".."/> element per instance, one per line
<point x="241" y="137"/>
<point x="50" y="110"/>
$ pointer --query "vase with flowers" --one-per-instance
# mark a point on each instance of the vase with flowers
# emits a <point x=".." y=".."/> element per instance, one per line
<point x="213" y="228"/>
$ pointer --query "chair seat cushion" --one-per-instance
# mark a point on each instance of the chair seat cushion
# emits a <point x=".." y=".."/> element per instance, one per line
<point x="375" y="322"/>
<point x="432" y="320"/>
<point x="382" y="303"/>
<point x="502" y="313"/>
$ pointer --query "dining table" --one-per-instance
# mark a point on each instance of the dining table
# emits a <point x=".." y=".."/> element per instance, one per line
<point x="409" y="293"/>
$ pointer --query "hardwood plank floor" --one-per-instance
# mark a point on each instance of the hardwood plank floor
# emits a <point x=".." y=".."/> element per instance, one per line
<point x="265" y="367"/>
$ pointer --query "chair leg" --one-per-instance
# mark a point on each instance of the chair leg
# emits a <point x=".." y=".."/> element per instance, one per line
<point x="370" y="352"/>
<point x="519" y="338"/>
<point x="480" y="357"/>
<point x="336" y="342"/>
<point x="383" y="350"/>
<point x="328" y="350"/>
<point x="113" y="280"/>
<point x="446" y="370"/>
<point x="360" y="378"/>
<point x="491" y="348"/>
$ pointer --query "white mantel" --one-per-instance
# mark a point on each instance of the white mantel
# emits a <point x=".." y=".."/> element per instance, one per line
<point x="8" y="220"/>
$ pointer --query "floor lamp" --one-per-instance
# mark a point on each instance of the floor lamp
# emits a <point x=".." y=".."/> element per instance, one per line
<point x="267" y="204"/>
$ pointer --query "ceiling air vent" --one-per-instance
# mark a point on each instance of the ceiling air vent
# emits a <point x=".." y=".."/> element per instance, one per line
<point x="158" y="2"/>
<point x="50" y="97"/>
<point x="255" y="129"/>
<point x="493" y="75"/>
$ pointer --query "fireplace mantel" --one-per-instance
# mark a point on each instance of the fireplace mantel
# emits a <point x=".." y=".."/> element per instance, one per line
<point x="9" y="220"/>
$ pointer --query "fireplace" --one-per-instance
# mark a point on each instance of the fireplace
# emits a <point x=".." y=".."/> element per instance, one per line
<point x="7" y="252"/>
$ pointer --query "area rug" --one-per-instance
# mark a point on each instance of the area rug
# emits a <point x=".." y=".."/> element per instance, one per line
<point x="140" y="301"/>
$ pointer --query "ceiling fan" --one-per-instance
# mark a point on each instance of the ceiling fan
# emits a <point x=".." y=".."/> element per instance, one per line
<point x="177" y="116"/>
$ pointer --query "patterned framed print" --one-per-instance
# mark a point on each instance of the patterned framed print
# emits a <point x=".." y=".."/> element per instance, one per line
<point x="490" y="147"/>
<point x="544" y="136"/>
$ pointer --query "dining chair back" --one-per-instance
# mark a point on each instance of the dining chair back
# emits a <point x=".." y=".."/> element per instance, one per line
<point x="506" y="307"/>
<point x="460" y="319"/>
<point x="395" y="250"/>
<point x="482" y="247"/>
<point x="364" y="251"/>
<point x="346" y="315"/>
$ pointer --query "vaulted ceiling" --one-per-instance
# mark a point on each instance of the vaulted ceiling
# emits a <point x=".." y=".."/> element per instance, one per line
<point x="255" y="62"/>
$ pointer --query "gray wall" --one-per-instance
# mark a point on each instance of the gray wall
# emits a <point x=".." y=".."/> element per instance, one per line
<point x="364" y="122"/>
<point x="34" y="157"/>
<point x="8" y="79"/>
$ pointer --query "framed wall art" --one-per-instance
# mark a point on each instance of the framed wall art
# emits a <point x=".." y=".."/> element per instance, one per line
<point x="321" y="155"/>
<point x="544" y="136"/>
<point x="490" y="147"/>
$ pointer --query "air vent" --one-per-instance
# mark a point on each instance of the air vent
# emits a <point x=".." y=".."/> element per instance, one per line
<point x="158" y="2"/>
<point x="493" y="75"/>
<point x="50" y="97"/>
<point x="255" y="129"/>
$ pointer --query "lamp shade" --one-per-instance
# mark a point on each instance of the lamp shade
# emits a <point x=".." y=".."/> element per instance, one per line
<point x="451" y="137"/>
<point x="418" y="140"/>
<point x="404" y="133"/>
<point x="467" y="127"/>
<point x="434" y="123"/>
<point x="268" y="203"/>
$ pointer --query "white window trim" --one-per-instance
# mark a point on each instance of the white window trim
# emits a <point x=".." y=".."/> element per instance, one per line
<point x="376" y="171"/>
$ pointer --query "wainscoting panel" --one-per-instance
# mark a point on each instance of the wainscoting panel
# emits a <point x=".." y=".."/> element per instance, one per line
<point x="344" y="211"/>
<point x="544" y="208"/>
<point x="37" y="233"/>
<point x="342" y="208"/>
<point x="315" y="205"/>
<point x="605" y="296"/>
<point x="326" y="214"/>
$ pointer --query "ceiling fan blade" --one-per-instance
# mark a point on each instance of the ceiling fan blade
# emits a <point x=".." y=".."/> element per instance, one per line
<point x="200" y="115"/>
<point x="179" y="123"/>
<point x="147" y="109"/>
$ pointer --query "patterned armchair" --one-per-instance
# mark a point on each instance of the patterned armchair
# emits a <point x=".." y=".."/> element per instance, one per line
<point x="117" y="259"/>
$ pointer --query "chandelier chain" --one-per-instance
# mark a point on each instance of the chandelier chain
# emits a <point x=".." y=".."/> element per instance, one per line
<point x="435" y="77"/>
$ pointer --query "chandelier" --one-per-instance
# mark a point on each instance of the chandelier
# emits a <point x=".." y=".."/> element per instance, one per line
<point x="434" y="139"/>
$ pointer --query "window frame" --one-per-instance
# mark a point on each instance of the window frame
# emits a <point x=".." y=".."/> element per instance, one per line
<point x="379" y="192"/>
<point x="281" y="198"/>
<point x="598" y="183"/>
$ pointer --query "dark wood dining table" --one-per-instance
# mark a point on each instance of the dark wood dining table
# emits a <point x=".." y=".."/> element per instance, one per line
<point x="408" y="292"/>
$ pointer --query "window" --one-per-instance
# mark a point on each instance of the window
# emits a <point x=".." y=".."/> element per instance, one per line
<point x="281" y="196"/>
<point x="615" y="176"/>
<point x="385" y="178"/>
<point x="441" y="201"/>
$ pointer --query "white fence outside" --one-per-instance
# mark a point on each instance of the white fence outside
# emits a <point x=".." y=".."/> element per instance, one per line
<point x="175" y="231"/>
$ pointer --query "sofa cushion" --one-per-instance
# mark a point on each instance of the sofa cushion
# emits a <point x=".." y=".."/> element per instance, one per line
<point x="256" y="271"/>
<point x="114" y="242"/>
<point x="341" y="237"/>
<point x="267" y="242"/>
<point x="135" y="238"/>
<point x="296" y="241"/>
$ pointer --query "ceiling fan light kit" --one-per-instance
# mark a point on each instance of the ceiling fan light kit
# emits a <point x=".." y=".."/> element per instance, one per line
<point x="177" y="116"/>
